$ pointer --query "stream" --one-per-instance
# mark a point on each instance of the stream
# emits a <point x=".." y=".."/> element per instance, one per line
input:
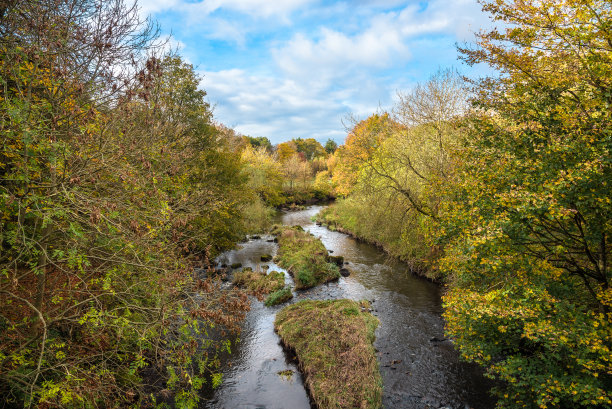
<point x="419" y="368"/>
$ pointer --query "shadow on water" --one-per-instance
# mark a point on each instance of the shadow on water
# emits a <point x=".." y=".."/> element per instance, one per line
<point x="419" y="368"/>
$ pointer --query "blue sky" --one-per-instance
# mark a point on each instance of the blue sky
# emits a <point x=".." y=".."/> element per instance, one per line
<point x="295" y="68"/>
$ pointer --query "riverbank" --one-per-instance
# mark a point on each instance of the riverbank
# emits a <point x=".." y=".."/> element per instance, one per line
<point x="334" y="220"/>
<point x="419" y="369"/>
<point x="301" y="200"/>
<point x="332" y="341"/>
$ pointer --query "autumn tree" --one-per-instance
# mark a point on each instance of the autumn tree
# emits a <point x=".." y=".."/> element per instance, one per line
<point x="361" y="143"/>
<point x="311" y="148"/>
<point x="416" y="160"/>
<point x="296" y="170"/>
<point x="113" y="186"/>
<point x="265" y="174"/>
<point x="530" y="227"/>
<point x="286" y="150"/>
<point x="393" y="169"/>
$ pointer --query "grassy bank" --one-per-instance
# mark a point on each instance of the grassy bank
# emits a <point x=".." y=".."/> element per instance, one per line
<point x="333" y="343"/>
<point x="305" y="257"/>
<point x="279" y="297"/>
<point x="259" y="284"/>
<point x="401" y="238"/>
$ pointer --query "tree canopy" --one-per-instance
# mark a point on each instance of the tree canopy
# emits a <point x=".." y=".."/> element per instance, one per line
<point x="529" y="229"/>
<point x="115" y="185"/>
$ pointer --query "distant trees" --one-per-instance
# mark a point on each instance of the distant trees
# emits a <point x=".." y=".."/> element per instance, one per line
<point x="299" y="161"/>
<point x="296" y="170"/>
<point x="310" y="147"/>
<point x="330" y="146"/>
<point x="265" y="174"/>
<point x="260" y="141"/>
<point x="286" y="150"/>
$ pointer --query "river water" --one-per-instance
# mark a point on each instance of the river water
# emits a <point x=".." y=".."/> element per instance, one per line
<point x="419" y="368"/>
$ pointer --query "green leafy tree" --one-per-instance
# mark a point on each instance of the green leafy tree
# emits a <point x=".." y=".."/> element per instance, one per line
<point x="529" y="228"/>
<point x="330" y="146"/>
<point x="260" y="141"/>
<point x="114" y="184"/>
<point x="265" y="175"/>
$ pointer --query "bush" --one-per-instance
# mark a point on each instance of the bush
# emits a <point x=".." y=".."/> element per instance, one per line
<point x="305" y="257"/>
<point x="279" y="297"/>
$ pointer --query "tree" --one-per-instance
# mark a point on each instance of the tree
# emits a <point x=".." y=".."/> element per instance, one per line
<point x="409" y="153"/>
<point x="393" y="170"/>
<point x="295" y="169"/>
<point x="114" y="185"/>
<point x="416" y="161"/>
<point x="260" y="141"/>
<point x="361" y="143"/>
<point x="330" y="146"/>
<point x="310" y="147"/>
<point x="286" y="150"/>
<point x="265" y="175"/>
<point x="529" y="230"/>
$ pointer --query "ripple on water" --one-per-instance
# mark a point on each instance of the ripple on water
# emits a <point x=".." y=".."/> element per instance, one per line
<point x="419" y="368"/>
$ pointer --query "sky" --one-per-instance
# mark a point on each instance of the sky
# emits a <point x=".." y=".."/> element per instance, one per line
<point x="296" y="68"/>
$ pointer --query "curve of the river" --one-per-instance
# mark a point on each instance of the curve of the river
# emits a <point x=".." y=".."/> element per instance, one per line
<point x="419" y="368"/>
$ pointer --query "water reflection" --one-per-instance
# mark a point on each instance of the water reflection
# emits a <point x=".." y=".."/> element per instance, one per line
<point x="419" y="368"/>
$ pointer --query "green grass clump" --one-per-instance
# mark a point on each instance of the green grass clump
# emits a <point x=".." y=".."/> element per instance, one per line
<point x="305" y="257"/>
<point x="279" y="297"/>
<point x="333" y="343"/>
<point x="258" y="283"/>
<point x="400" y="234"/>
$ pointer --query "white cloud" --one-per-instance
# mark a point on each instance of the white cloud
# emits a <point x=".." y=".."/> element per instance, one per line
<point x="386" y="42"/>
<point x="325" y="59"/>
<point x="278" y="108"/>
<point x="259" y="8"/>
<point x="255" y="8"/>
<point x="154" y="6"/>
<point x="221" y="29"/>
<point x="334" y="54"/>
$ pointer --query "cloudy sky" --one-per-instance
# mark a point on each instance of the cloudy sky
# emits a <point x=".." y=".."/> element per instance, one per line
<point x="295" y="68"/>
